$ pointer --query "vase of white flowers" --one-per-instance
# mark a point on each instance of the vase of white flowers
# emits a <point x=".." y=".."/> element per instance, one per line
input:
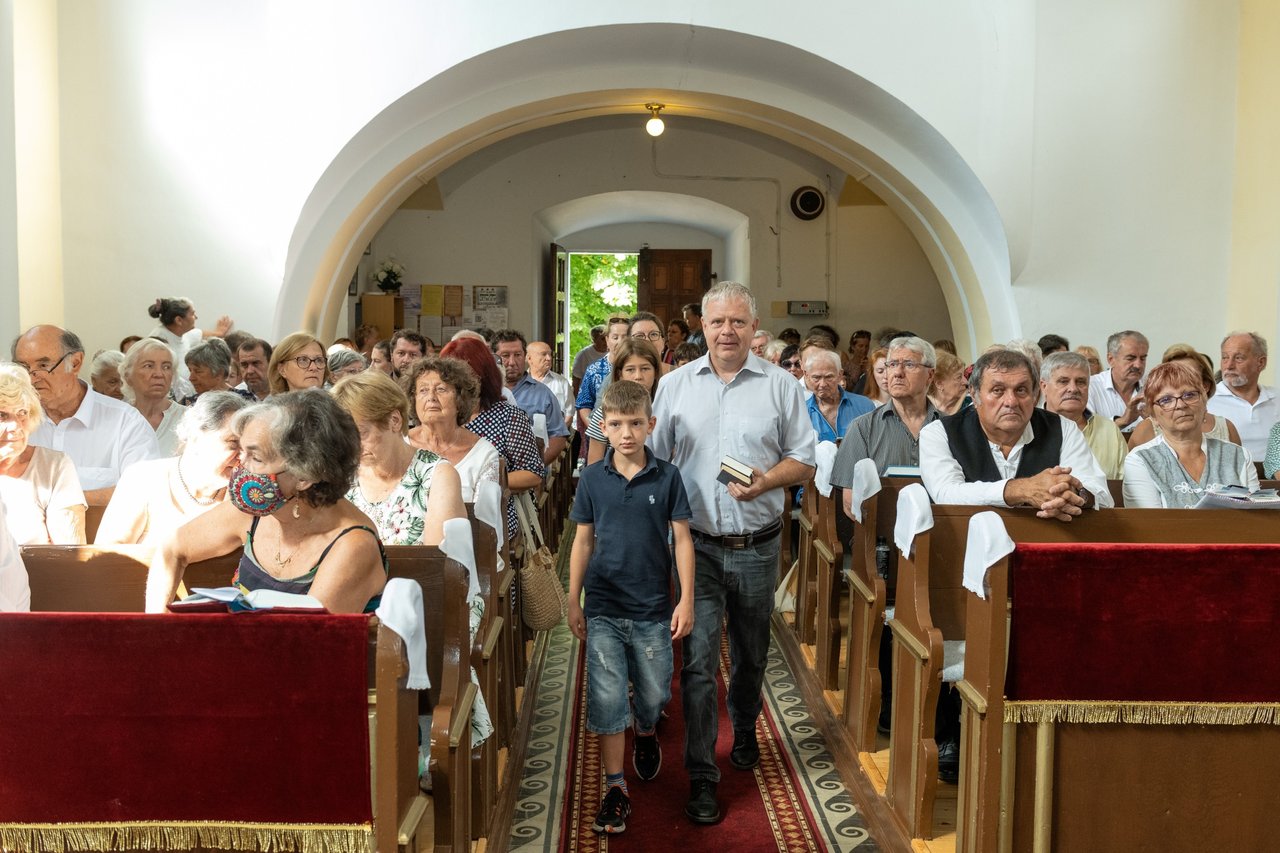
<point x="389" y="275"/>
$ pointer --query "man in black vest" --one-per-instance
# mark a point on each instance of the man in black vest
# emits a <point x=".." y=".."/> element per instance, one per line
<point x="1005" y="452"/>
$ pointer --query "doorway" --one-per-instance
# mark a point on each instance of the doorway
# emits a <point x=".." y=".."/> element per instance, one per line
<point x="669" y="279"/>
<point x="600" y="286"/>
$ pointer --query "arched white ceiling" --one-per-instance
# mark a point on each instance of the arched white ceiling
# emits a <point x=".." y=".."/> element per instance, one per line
<point x="772" y="88"/>
<point x="627" y="206"/>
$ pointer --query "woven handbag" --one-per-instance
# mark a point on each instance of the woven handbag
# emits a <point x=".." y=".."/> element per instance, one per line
<point x="543" y="602"/>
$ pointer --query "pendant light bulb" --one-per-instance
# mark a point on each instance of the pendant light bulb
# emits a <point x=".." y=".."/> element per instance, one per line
<point x="655" y="125"/>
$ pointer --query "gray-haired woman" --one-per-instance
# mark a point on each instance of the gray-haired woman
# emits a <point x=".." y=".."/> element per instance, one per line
<point x="299" y="451"/>
<point x="147" y="371"/>
<point x="104" y="373"/>
<point x="156" y="497"/>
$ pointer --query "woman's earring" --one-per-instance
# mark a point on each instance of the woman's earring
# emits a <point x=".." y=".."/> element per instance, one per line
<point x="296" y="511"/>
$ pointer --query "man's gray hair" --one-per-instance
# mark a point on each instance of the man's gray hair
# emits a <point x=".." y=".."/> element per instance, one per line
<point x="1029" y="349"/>
<point x="919" y="346"/>
<point x="816" y="354"/>
<point x="213" y="354"/>
<point x="104" y="360"/>
<point x="209" y="413"/>
<point x="1002" y="359"/>
<point x="726" y="290"/>
<point x="1259" y="342"/>
<point x="1113" y="342"/>
<point x="762" y="333"/>
<point x="1056" y="361"/>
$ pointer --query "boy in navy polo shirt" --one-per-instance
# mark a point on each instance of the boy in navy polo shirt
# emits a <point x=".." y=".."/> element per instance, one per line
<point x="628" y="501"/>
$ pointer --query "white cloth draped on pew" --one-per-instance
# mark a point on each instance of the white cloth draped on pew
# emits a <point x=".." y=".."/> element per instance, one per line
<point x="915" y="516"/>
<point x="866" y="485"/>
<point x="458" y="545"/>
<point x="401" y="611"/>
<point x="988" y="543"/>
<point x="540" y="428"/>
<point x="826" y="457"/>
<point x="488" y="505"/>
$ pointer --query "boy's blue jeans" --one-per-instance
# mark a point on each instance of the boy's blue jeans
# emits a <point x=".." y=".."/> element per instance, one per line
<point x="622" y="650"/>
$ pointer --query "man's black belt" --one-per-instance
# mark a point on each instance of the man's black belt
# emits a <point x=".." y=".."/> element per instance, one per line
<point x="737" y="542"/>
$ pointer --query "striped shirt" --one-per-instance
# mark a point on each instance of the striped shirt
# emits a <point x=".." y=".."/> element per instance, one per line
<point x="882" y="436"/>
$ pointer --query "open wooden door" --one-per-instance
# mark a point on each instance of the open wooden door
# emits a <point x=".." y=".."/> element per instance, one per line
<point x="555" y="305"/>
<point x="670" y="278"/>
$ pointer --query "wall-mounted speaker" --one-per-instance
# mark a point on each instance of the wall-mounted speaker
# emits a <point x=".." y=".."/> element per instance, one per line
<point x="807" y="203"/>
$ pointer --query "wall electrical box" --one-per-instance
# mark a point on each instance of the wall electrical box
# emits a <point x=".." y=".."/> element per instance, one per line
<point x="807" y="308"/>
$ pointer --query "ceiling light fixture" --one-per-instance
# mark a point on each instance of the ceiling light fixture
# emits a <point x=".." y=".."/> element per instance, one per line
<point x="654" y="126"/>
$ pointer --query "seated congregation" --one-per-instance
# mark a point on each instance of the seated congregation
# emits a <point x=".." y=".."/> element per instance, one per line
<point x="1009" y="633"/>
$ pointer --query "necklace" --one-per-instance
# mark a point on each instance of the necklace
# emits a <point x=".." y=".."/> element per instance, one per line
<point x="187" y="489"/>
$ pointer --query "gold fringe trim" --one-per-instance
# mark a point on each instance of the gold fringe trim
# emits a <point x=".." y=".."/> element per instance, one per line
<point x="1145" y="713"/>
<point x="186" y="835"/>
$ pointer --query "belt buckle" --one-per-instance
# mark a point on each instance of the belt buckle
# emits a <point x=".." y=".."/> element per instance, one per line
<point x="737" y="543"/>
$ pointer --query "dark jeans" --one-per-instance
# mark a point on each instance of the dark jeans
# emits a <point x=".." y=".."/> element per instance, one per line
<point x="739" y="584"/>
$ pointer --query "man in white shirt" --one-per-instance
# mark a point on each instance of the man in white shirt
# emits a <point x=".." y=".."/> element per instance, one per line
<point x="1253" y="408"/>
<point x="102" y="436"/>
<point x="1003" y="451"/>
<point x="1117" y="393"/>
<point x="539" y="358"/>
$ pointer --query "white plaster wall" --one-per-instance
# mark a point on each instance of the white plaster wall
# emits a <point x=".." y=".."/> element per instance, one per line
<point x="192" y="133"/>
<point x="1134" y="156"/>
<point x="877" y="272"/>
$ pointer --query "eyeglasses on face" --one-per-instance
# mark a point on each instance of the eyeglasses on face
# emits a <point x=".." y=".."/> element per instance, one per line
<point x="652" y="336"/>
<point x="789" y="363"/>
<point x="306" y="362"/>
<point x="1170" y="401"/>
<point x="909" y="366"/>
<point x="40" y="370"/>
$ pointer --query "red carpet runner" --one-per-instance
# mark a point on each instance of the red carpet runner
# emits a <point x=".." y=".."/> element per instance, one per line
<point x="761" y="810"/>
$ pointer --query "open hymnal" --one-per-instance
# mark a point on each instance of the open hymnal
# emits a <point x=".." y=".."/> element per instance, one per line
<point x="234" y="598"/>
<point x="1238" y="497"/>
<point x="902" y="471"/>
<point x="733" y="471"/>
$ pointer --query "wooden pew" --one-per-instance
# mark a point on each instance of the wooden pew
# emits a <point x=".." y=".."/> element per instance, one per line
<point x="486" y="657"/>
<point x="105" y="578"/>
<point x="113" y="579"/>
<point x="1046" y="784"/>
<point x="869" y="595"/>
<point x="402" y="817"/>
<point x="446" y="615"/>
<point x="828" y="564"/>
<point x="932" y="603"/>
<point x="806" y="580"/>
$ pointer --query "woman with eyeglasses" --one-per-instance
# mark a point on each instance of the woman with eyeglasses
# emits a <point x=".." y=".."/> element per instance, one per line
<point x="949" y="391"/>
<point x="298" y="362"/>
<point x="445" y="392"/>
<point x="1178" y="466"/>
<point x="647" y="327"/>
<point x="1214" y="425"/>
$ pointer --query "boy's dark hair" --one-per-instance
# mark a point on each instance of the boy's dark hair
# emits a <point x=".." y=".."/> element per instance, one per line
<point x="626" y="398"/>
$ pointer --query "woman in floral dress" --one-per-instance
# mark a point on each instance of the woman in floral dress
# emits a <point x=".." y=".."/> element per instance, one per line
<point x="408" y="493"/>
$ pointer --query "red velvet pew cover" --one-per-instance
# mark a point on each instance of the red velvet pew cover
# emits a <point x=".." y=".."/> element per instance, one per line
<point x="1128" y="625"/>
<point x="133" y="728"/>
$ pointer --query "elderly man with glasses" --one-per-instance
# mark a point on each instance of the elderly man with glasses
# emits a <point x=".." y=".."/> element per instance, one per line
<point x="102" y="436"/>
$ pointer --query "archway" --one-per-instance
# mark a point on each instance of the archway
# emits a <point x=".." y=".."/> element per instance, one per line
<point x="781" y="91"/>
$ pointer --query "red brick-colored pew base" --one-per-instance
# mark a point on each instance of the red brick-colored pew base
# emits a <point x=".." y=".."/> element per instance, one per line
<point x="165" y="731"/>
<point x="1144" y="633"/>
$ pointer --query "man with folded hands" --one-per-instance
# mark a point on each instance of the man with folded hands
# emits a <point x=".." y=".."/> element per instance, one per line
<point x="1003" y="451"/>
